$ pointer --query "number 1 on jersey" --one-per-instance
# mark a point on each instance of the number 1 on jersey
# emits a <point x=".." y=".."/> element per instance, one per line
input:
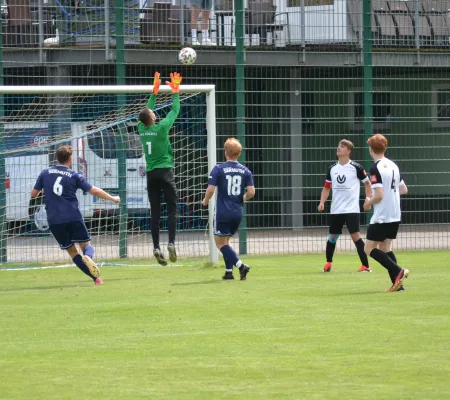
<point x="234" y="185"/>
<point x="393" y="182"/>
<point x="149" y="147"/>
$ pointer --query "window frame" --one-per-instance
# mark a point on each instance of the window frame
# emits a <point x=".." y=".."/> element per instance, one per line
<point x="359" y="126"/>
<point x="435" y="123"/>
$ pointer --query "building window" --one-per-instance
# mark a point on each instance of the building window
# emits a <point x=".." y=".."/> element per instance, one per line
<point x="381" y="109"/>
<point x="440" y="104"/>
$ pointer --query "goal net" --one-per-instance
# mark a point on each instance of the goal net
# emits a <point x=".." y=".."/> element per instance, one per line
<point x="100" y="123"/>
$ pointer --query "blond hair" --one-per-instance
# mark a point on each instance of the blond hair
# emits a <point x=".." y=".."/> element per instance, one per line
<point x="233" y="148"/>
<point x="348" y="144"/>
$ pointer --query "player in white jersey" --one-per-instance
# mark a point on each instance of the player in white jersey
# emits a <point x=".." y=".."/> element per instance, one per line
<point x="345" y="178"/>
<point x="387" y="186"/>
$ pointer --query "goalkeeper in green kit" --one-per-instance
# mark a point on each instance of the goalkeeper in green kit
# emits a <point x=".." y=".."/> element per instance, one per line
<point x="159" y="157"/>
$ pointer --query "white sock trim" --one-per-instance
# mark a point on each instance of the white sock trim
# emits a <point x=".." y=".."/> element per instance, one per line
<point x="239" y="263"/>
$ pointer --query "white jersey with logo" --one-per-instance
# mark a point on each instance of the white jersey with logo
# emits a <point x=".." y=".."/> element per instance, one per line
<point x="385" y="173"/>
<point x="345" y="181"/>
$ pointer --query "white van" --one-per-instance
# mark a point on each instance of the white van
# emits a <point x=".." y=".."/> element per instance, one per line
<point x="94" y="156"/>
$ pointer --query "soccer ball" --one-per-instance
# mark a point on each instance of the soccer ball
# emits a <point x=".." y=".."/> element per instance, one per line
<point x="187" y="56"/>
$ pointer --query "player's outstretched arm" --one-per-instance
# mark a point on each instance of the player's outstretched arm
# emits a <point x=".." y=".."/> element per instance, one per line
<point x="103" y="195"/>
<point x="250" y="193"/>
<point x="175" y="81"/>
<point x="208" y="194"/>
<point x="156" y="83"/>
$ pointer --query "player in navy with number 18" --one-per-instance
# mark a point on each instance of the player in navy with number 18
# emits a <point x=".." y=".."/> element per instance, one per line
<point x="60" y="184"/>
<point x="235" y="186"/>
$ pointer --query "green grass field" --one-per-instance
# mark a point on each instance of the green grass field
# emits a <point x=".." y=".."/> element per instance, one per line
<point x="288" y="332"/>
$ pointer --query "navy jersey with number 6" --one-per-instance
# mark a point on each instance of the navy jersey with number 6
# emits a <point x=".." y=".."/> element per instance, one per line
<point x="60" y="185"/>
<point x="231" y="178"/>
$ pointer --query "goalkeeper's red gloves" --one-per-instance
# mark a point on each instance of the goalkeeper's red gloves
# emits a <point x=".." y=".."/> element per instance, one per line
<point x="156" y="83"/>
<point x="175" y="80"/>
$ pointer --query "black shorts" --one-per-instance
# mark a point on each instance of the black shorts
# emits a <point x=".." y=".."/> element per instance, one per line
<point x="161" y="180"/>
<point x="69" y="233"/>
<point x="337" y="221"/>
<point x="381" y="232"/>
<point x="226" y="228"/>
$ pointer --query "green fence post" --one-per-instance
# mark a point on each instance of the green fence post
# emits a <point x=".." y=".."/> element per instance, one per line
<point x="3" y="227"/>
<point x="368" y="81"/>
<point x="240" y="103"/>
<point x="122" y="151"/>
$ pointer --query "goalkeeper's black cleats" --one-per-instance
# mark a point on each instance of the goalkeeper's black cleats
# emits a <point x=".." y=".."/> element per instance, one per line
<point x="228" y="276"/>
<point x="159" y="257"/>
<point x="243" y="271"/>
<point x="172" y="252"/>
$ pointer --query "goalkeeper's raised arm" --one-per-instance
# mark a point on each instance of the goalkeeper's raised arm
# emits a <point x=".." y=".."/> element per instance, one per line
<point x="159" y="158"/>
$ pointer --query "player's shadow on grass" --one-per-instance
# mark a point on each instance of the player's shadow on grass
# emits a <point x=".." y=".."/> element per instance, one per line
<point x="62" y="287"/>
<point x="195" y="283"/>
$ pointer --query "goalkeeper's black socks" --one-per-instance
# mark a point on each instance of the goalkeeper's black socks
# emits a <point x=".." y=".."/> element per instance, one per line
<point x="329" y="252"/>
<point x="80" y="264"/>
<point x="386" y="262"/>
<point x="361" y="253"/>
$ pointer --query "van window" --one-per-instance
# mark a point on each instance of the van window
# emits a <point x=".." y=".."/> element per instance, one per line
<point x="105" y="143"/>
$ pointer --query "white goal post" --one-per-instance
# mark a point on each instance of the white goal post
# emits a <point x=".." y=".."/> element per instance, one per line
<point x="68" y="91"/>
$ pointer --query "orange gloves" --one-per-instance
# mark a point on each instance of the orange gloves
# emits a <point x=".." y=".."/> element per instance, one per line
<point x="156" y="83"/>
<point x="175" y="80"/>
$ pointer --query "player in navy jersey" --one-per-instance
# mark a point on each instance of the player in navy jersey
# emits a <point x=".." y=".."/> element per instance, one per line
<point x="344" y="178"/>
<point x="234" y="183"/>
<point x="59" y="185"/>
<point x="387" y="186"/>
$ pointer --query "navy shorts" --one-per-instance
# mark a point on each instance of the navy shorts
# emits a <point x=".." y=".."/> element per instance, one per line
<point x="69" y="233"/>
<point x="226" y="228"/>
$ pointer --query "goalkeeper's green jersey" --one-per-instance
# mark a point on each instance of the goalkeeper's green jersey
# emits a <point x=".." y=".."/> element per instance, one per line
<point x="155" y="138"/>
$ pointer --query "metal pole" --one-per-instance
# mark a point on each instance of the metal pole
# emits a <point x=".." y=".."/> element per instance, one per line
<point x="368" y="63"/>
<point x="303" y="29"/>
<point x="368" y="81"/>
<point x="41" y="31"/>
<point x="107" y="31"/>
<point x="3" y="223"/>
<point x="417" y="26"/>
<point x="122" y="153"/>
<point x="240" y="103"/>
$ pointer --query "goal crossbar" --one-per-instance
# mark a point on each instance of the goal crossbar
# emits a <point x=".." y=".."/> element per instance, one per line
<point x="111" y="89"/>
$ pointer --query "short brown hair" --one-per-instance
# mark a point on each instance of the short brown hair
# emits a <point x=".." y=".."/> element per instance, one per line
<point x="64" y="153"/>
<point x="233" y="148"/>
<point x="347" y="144"/>
<point x="378" y="143"/>
<point x="144" y="116"/>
